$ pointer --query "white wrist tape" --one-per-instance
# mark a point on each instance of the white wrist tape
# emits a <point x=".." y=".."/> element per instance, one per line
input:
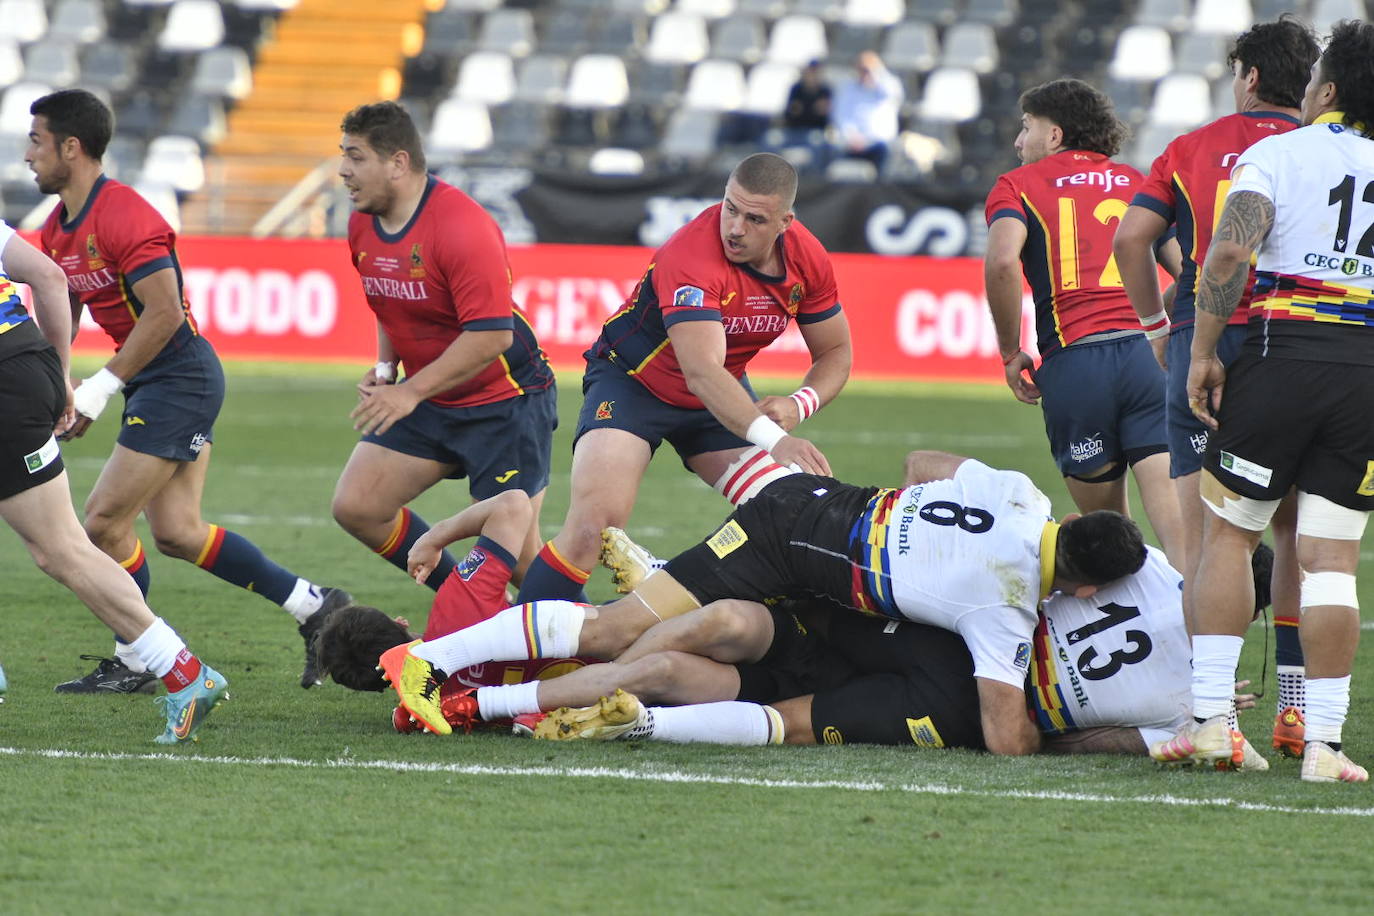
<point x="95" y="392"/>
<point x="808" y="402"/>
<point x="1156" y="326"/>
<point x="385" y="371"/>
<point x="764" y="433"/>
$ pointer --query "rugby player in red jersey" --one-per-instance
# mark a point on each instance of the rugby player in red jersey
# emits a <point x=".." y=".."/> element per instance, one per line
<point x="1099" y="386"/>
<point x="1270" y="64"/>
<point x="670" y="365"/>
<point x="478" y="398"/>
<point x="120" y="259"/>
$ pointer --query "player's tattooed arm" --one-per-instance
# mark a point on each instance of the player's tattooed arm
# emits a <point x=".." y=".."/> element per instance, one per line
<point x="1245" y="223"/>
<point x="1100" y="740"/>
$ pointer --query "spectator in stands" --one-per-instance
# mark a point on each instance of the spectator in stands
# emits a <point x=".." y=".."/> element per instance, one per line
<point x="807" y="115"/>
<point x="865" y="110"/>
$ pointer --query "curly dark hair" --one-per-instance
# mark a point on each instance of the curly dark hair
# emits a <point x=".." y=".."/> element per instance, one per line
<point x="1098" y="548"/>
<point x="350" y="643"/>
<point x="1348" y="61"/>
<point x="1085" y="115"/>
<point x="387" y="127"/>
<point x="1283" y="52"/>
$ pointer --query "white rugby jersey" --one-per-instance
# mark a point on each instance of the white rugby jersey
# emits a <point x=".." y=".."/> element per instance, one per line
<point x="963" y="554"/>
<point x="1314" y="280"/>
<point x="1120" y="658"/>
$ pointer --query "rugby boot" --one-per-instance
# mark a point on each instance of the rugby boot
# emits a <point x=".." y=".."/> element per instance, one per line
<point x="1290" y="730"/>
<point x="609" y="718"/>
<point x="187" y="708"/>
<point x="417" y="683"/>
<point x="110" y="676"/>
<point x="333" y="600"/>
<point x="628" y="562"/>
<point x="523" y="725"/>
<point x="1323" y="763"/>
<point x="1243" y="756"/>
<point x="1197" y="742"/>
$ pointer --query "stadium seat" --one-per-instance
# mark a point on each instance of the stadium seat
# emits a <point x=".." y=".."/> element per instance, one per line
<point x="459" y="126"/>
<point x="243" y="28"/>
<point x="175" y="161"/>
<point x="1201" y="53"/>
<point x="715" y="85"/>
<point x="691" y="134"/>
<point x="25" y="20"/>
<point x="1143" y="52"/>
<point x="1182" y="100"/>
<point x="848" y="41"/>
<point x="1149" y="143"/>
<point x="656" y="83"/>
<point x="522" y="126"/>
<point x="472" y="6"/>
<point x="124" y="156"/>
<point x="140" y="116"/>
<point x="612" y="160"/>
<point x="636" y="126"/>
<point x="797" y="40"/>
<point x="767" y="9"/>
<point x="768" y="87"/>
<point x="11" y="63"/>
<point x="972" y="45"/>
<point x="80" y="21"/>
<point x="951" y="94"/>
<point x="597" y="81"/>
<point x="738" y="37"/>
<point x="1172" y="15"/>
<point x="487" y="77"/>
<point x="1131" y="98"/>
<point x="1222" y="17"/>
<point x="427" y="74"/>
<point x="939" y="12"/>
<point x="224" y="71"/>
<point x="677" y="38"/>
<point x="1326" y="13"/>
<point x="872" y="12"/>
<point x="911" y="46"/>
<point x="706" y="9"/>
<point x="851" y="171"/>
<point x="541" y="79"/>
<point x="622" y="36"/>
<point x="14" y="107"/>
<point x="509" y="31"/>
<point x="163" y="197"/>
<point x="200" y="117"/>
<point x="51" y="61"/>
<point x="192" y="25"/>
<point x="996" y="13"/>
<point x="450" y="32"/>
<point x="566" y="31"/>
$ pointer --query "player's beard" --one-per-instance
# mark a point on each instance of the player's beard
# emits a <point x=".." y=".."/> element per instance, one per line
<point x="57" y="179"/>
<point x="378" y="206"/>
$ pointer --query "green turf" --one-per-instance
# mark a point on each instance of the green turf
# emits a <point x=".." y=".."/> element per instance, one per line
<point x="298" y="801"/>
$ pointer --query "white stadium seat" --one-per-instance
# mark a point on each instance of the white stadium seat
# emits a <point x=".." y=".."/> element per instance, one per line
<point x="707" y="9"/>
<point x="768" y="87"/>
<point x="677" y="38"/>
<point x="1143" y="52"/>
<point x="715" y="85"/>
<point x="24" y="20"/>
<point x="1222" y="17"/>
<point x="1181" y="100"/>
<point x="951" y="94"/>
<point x="612" y="160"/>
<point x="797" y="40"/>
<point x="459" y="126"/>
<point x="597" y="81"/>
<point x="873" y="12"/>
<point x="192" y="25"/>
<point x="176" y="161"/>
<point x="14" y="107"/>
<point x="487" y="77"/>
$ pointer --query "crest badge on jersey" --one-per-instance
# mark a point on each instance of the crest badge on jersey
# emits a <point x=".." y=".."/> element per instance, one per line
<point x="1023" y="656"/>
<point x="417" y="261"/>
<point x="603" y="410"/>
<point x="471" y="563"/>
<point x="688" y="297"/>
<point x="794" y="298"/>
<point x="95" y="262"/>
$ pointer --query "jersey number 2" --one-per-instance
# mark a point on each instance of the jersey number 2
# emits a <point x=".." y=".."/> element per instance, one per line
<point x="1138" y="643"/>
<point x="1107" y="209"/>
<point x="1344" y="194"/>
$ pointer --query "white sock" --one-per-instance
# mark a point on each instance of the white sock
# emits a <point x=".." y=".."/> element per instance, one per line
<point x="1328" y="701"/>
<point x="1291" y="687"/>
<point x="540" y="629"/>
<point x="508" y="700"/>
<point x="128" y="657"/>
<point x="753" y="470"/>
<point x="1215" y="659"/>
<point x="304" y="600"/>
<point x="158" y="647"/>
<point x="730" y="722"/>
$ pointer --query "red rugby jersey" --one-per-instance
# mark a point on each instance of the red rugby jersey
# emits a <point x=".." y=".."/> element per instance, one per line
<point x="116" y="240"/>
<point x="443" y="273"/>
<point x="690" y="279"/>
<point x="1187" y="186"/>
<point x="1071" y="203"/>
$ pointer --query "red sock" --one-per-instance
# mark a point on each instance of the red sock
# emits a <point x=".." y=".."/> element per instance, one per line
<point x="184" y="672"/>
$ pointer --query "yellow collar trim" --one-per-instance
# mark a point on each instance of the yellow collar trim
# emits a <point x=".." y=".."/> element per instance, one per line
<point x="1338" y="117"/>
<point x="1049" y="542"/>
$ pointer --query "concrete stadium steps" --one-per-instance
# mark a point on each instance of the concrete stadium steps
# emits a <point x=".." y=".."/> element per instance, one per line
<point x="323" y="58"/>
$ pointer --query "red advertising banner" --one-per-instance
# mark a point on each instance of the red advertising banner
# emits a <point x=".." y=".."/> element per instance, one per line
<point x="916" y="317"/>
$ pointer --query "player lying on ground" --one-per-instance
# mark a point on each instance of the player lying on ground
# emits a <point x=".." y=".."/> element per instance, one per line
<point x="920" y="553"/>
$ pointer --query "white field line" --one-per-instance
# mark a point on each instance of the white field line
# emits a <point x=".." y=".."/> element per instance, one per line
<point x="678" y="776"/>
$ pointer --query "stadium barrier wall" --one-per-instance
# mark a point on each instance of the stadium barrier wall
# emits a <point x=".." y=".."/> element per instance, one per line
<point x="274" y="299"/>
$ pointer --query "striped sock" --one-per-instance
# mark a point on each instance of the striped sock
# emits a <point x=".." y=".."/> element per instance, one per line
<point x="404" y="533"/>
<point x="137" y="567"/>
<point x="748" y="474"/>
<point x="551" y="576"/>
<point x="238" y="561"/>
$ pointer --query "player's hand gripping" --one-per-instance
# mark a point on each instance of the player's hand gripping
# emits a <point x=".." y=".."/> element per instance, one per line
<point x="89" y="398"/>
<point x="423" y="557"/>
<point x="68" y="418"/>
<point x="380" y="406"/>
<point x="1020" y="371"/>
<point x="781" y="410"/>
<point x="792" y="451"/>
<point x="1206" y="380"/>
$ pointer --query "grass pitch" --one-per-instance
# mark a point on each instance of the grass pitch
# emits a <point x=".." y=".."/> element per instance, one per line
<point x="306" y="801"/>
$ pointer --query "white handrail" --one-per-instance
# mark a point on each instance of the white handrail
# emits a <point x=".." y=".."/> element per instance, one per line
<point x="304" y="195"/>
